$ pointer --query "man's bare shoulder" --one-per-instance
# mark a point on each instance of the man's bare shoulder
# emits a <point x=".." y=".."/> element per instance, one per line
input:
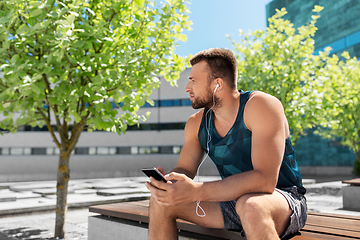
<point x="260" y="101"/>
<point x="194" y="121"/>
<point x="263" y="109"/>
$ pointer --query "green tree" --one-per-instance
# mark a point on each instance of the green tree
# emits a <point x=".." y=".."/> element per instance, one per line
<point x="66" y="61"/>
<point x="280" y="61"/>
<point x="339" y="116"/>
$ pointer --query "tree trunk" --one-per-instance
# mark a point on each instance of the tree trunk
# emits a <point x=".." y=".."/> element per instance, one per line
<point x="63" y="176"/>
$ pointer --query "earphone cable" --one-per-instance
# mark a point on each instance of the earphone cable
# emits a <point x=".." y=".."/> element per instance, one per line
<point x="207" y="125"/>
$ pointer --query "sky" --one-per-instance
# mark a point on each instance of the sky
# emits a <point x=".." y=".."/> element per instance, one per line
<point x="213" y="19"/>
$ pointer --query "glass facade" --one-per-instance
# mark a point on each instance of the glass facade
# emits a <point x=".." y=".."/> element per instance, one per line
<point x="341" y="44"/>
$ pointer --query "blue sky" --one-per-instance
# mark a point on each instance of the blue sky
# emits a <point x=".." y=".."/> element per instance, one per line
<point x="213" y="19"/>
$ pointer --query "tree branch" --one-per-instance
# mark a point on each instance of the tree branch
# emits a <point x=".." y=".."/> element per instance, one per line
<point x="48" y="124"/>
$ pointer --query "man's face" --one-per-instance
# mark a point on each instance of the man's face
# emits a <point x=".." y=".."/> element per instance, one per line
<point x="198" y="86"/>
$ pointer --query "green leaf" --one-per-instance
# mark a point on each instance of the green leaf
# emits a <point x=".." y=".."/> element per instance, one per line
<point x="35" y="88"/>
<point x="22" y="29"/>
<point x="182" y="37"/>
<point x="317" y="8"/>
<point x="139" y="3"/>
<point x="36" y="12"/>
<point x="4" y="20"/>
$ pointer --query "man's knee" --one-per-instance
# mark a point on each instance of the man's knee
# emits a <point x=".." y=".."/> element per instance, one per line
<point x="158" y="210"/>
<point x="250" y="208"/>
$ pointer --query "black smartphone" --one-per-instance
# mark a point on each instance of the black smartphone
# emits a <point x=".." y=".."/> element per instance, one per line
<point x="153" y="172"/>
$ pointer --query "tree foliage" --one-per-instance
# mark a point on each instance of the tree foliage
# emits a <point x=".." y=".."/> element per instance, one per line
<point x="73" y="56"/>
<point x="280" y="61"/>
<point x="339" y="85"/>
<point x="317" y="91"/>
<point x="72" y="61"/>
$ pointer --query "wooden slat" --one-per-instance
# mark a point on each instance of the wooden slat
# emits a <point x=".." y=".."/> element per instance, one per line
<point x="353" y="182"/>
<point x="123" y="210"/>
<point x="334" y="225"/>
<point x="318" y="225"/>
<point x="331" y="231"/>
<point x="331" y="215"/>
<point x="303" y="235"/>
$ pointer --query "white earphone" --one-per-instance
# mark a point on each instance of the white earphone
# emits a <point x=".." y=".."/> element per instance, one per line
<point x="217" y="85"/>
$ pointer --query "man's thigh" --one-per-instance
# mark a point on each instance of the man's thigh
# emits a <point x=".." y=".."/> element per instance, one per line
<point x="213" y="217"/>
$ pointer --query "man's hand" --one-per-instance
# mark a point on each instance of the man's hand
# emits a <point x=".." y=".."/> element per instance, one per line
<point x="179" y="189"/>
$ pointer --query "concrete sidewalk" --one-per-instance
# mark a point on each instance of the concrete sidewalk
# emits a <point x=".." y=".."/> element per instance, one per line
<point x="27" y="209"/>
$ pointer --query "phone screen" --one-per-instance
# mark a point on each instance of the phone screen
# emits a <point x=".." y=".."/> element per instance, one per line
<point x="153" y="172"/>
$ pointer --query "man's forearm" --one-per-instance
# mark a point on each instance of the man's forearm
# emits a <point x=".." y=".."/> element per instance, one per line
<point x="235" y="186"/>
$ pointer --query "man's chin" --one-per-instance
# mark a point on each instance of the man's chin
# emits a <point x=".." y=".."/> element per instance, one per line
<point x="195" y="106"/>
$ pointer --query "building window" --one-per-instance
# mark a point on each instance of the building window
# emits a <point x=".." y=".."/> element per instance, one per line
<point x="176" y="150"/>
<point x="16" y="151"/>
<point x="112" y="150"/>
<point x="56" y="151"/>
<point x="5" y="151"/>
<point x="102" y="150"/>
<point x="92" y="150"/>
<point x="27" y="151"/>
<point x="82" y="151"/>
<point x="353" y="39"/>
<point x="134" y="150"/>
<point x="166" y="149"/>
<point x="49" y="151"/>
<point x="154" y="149"/>
<point x="144" y="150"/>
<point x="123" y="150"/>
<point x="38" y="151"/>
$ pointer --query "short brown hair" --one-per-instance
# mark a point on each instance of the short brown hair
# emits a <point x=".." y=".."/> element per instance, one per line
<point x="222" y="64"/>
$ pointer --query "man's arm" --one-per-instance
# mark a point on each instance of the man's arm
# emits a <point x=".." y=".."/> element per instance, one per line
<point x="191" y="153"/>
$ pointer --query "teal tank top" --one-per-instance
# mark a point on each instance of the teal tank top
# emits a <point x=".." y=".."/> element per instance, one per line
<point x="232" y="154"/>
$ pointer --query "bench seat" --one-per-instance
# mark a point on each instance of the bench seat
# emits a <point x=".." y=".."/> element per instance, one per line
<point x="318" y="226"/>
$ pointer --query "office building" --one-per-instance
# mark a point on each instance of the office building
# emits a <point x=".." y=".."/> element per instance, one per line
<point x="338" y="26"/>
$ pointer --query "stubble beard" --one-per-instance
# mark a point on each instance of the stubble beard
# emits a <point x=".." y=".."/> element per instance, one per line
<point x="208" y="101"/>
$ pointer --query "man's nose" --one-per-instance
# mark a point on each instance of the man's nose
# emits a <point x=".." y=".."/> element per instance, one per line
<point x="187" y="88"/>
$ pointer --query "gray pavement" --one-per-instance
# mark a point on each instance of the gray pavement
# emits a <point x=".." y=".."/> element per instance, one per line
<point x="27" y="208"/>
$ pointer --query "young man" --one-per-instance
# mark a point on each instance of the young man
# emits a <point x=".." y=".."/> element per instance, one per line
<point x="247" y="136"/>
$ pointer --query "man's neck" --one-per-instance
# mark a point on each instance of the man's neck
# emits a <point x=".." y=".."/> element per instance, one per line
<point x="225" y="114"/>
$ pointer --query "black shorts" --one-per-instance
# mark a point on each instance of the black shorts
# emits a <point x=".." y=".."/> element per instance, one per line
<point x="297" y="204"/>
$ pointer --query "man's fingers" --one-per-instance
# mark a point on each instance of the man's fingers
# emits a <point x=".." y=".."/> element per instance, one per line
<point x="174" y="176"/>
<point x="161" y="170"/>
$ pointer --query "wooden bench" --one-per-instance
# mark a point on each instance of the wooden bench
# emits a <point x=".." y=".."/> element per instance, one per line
<point x="135" y="214"/>
<point x="351" y="194"/>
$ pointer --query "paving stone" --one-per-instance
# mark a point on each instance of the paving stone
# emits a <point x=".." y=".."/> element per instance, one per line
<point x="26" y="195"/>
<point x="308" y="182"/>
<point x="85" y="191"/>
<point x="117" y="184"/>
<point x="27" y="206"/>
<point x="8" y="195"/>
<point x="327" y="188"/>
<point x="7" y="198"/>
<point x="29" y="187"/>
<point x="120" y="191"/>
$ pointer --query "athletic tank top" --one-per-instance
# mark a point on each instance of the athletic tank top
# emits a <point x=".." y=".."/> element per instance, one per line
<point x="232" y="153"/>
